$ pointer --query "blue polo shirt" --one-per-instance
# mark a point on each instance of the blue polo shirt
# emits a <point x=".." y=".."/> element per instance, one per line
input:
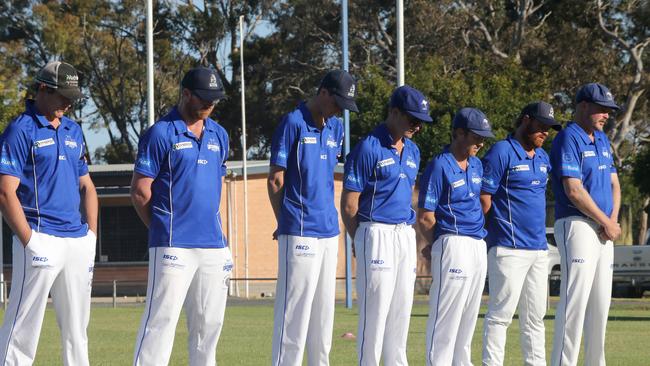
<point x="573" y="154"/>
<point x="48" y="162"/>
<point x="309" y="156"/>
<point x="517" y="184"/>
<point x="186" y="191"/>
<point x="384" y="178"/>
<point x="454" y="195"/>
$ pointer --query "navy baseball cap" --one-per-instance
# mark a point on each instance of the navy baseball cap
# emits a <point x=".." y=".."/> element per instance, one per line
<point x="411" y="101"/>
<point x="542" y="112"/>
<point x="343" y="88"/>
<point x="204" y="83"/>
<point x="62" y="77"/>
<point x="473" y="120"/>
<point x="598" y="94"/>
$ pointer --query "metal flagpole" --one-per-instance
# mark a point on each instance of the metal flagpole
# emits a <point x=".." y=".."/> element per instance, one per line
<point x="150" y="90"/>
<point x="346" y="119"/>
<point x="400" y="42"/>
<point x="243" y="142"/>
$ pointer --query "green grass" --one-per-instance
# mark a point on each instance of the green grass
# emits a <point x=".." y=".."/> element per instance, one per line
<point x="246" y="337"/>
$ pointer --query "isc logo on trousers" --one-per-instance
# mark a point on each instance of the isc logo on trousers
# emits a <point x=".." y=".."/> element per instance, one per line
<point x="170" y="257"/>
<point x="39" y="259"/>
<point x="455" y="270"/>
<point x="376" y="261"/>
<point x="577" y="260"/>
<point x="302" y="247"/>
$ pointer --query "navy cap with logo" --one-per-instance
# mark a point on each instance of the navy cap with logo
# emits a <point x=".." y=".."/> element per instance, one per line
<point x="204" y="83"/>
<point x="412" y="102"/>
<point x="542" y="112"/>
<point x="598" y="94"/>
<point x="474" y="120"/>
<point x="343" y="88"/>
<point x="62" y="77"/>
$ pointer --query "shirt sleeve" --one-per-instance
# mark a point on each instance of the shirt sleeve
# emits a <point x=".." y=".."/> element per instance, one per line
<point x="14" y="150"/>
<point x="495" y="163"/>
<point x="82" y="164"/>
<point x="359" y="168"/>
<point x="284" y="139"/>
<point x="566" y="158"/>
<point x="225" y="152"/>
<point x="152" y="151"/>
<point x="431" y="186"/>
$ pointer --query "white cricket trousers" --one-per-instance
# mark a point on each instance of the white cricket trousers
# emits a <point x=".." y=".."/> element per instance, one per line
<point x="62" y="267"/>
<point x="197" y="278"/>
<point x="516" y="276"/>
<point x="386" y="264"/>
<point x="458" y="269"/>
<point x="585" y="291"/>
<point x="304" y="303"/>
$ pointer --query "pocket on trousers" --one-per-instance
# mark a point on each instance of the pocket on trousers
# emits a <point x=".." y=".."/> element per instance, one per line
<point x="38" y="252"/>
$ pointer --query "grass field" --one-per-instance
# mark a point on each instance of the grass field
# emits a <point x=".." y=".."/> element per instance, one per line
<point x="246" y="337"/>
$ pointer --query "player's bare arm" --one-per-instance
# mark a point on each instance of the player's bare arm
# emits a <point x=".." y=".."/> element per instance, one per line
<point x="486" y="202"/>
<point x="141" y="196"/>
<point x="275" y="187"/>
<point x="583" y="202"/>
<point x="349" y="209"/>
<point x="11" y="208"/>
<point x="426" y="222"/>
<point x="89" y="204"/>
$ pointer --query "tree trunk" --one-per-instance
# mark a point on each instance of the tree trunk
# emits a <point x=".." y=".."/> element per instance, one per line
<point x="643" y="223"/>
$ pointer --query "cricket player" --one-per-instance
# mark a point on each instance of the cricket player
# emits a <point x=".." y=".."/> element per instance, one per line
<point x="176" y="190"/>
<point x="451" y="219"/>
<point x="515" y="172"/>
<point x="50" y="203"/>
<point x="587" y="201"/>
<point x="304" y="153"/>
<point x="376" y="208"/>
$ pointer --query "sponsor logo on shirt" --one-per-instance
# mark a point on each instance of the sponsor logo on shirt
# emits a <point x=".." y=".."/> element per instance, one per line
<point x="573" y="168"/>
<point x="521" y="168"/>
<point x="430" y="200"/>
<point x="352" y="178"/>
<point x="62" y="157"/>
<point x="606" y="154"/>
<point x="588" y="154"/>
<point x="410" y="163"/>
<point x="535" y="183"/>
<point x="144" y="162"/>
<point x="43" y="143"/>
<point x="602" y="167"/>
<point x="309" y="140"/>
<point x="543" y="169"/>
<point x="202" y="161"/>
<point x="5" y="161"/>
<point x="70" y="142"/>
<point x="458" y="183"/>
<point x="323" y="156"/>
<point x="183" y="145"/>
<point x="488" y="181"/>
<point x="214" y="147"/>
<point x="476" y="179"/>
<point x="282" y="155"/>
<point x="567" y="158"/>
<point x="386" y="162"/>
<point x="331" y="143"/>
<point x="402" y="176"/>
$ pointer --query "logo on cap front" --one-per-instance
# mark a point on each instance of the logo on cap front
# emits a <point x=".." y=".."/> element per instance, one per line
<point x="424" y="104"/>
<point x="609" y="96"/>
<point x="551" y="113"/>
<point x="351" y="91"/>
<point x="213" y="82"/>
<point x="485" y="124"/>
